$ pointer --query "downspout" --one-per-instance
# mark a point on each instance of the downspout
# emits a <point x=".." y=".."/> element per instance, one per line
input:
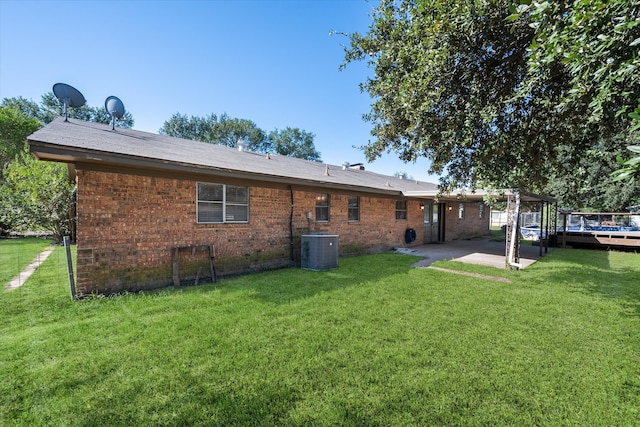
<point x="514" y="231"/>
<point x="291" y="225"/>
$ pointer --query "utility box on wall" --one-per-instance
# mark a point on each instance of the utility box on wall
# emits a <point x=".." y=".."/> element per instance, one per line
<point x="319" y="252"/>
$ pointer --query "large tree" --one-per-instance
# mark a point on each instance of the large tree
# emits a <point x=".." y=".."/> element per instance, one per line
<point x="293" y="142"/>
<point x="14" y="129"/>
<point x="50" y="108"/>
<point x="630" y="167"/>
<point x="37" y="195"/>
<point x="589" y="184"/>
<point x="464" y="84"/>
<point x="227" y="131"/>
<point x="222" y="130"/>
<point x="597" y="42"/>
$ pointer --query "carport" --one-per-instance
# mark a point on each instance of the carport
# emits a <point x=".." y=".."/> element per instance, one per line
<point x="512" y="253"/>
<point x="480" y="251"/>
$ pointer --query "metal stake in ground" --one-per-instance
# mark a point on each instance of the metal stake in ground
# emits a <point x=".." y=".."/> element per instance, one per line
<point x="72" y="285"/>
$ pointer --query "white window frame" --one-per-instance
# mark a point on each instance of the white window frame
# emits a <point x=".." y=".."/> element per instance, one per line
<point x="460" y="210"/>
<point x="223" y="202"/>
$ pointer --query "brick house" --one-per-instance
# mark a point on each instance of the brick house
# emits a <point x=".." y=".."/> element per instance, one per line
<point x="141" y="195"/>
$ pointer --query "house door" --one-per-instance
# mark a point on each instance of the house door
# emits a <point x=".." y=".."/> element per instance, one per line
<point x="434" y="223"/>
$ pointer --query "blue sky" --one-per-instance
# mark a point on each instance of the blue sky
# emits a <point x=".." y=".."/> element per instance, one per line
<point x="272" y="62"/>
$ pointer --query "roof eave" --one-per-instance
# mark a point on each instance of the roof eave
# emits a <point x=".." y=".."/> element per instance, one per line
<point x="51" y="152"/>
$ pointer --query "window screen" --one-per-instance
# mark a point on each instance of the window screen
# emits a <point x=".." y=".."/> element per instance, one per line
<point x="354" y="208"/>
<point x="219" y="203"/>
<point x="401" y="209"/>
<point x="322" y="207"/>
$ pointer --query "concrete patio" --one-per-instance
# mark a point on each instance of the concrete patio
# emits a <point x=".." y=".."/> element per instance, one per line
<point x="481" y="251"/>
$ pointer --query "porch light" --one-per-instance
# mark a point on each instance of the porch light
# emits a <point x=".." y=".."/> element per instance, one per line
<point x="421" y="206"/>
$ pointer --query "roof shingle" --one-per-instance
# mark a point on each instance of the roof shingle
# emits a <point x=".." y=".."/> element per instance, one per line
<point x="78" y="141"/>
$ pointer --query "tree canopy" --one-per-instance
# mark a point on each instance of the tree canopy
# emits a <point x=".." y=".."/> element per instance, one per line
<point x="37" y="195"/>
<point x="630" y="168"/>
<point x="222" y="130"/>
<point x="293" y="142"/>
<point x="14" y="129"/>
<point x="50" y="108"/>
<point x="227" y="131"/>
<point x="589" y="185"/>
<point x="496" y="95"/>
<point x="597" y="42"/>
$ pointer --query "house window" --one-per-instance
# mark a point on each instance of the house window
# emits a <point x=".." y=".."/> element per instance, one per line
<point x="354" y="208"/>
<point x="322" y="207"/>
<point x="219" y="203"/>
<point x="401" y="209"/>
<point x="481" y="210"/>
<point x="461" y="211"/>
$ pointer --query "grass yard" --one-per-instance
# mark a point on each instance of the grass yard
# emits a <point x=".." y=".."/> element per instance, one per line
<point x="16" y="254"/>
<point x="372" y="343"/>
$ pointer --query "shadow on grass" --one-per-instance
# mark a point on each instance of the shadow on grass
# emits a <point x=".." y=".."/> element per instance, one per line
<point x="266" y="404"/>
<point x="610" y="274"/>
<point x="285" y="285"/>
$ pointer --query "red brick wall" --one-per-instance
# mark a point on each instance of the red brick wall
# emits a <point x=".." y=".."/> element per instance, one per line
<point x="469" y="226"/>
<point x="127" y="225"/>
<point x="377" y="229"/>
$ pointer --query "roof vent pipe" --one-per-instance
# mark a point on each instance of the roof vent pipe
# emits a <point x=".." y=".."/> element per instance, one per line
<point x="241" y="145"/>
<point x="345" y="165"/>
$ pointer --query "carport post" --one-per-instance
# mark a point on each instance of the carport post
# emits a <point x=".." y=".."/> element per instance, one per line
<point x="541" y="226"/>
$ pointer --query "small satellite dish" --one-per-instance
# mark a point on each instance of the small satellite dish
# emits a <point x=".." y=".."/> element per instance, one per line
<point x="115" y="108"/>
<point x="69" y="96"/>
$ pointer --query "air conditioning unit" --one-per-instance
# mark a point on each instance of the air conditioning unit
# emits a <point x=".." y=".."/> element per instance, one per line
<point x="319" y="252"/>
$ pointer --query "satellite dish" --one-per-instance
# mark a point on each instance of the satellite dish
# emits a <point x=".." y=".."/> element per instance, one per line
<point x="69" y="96"/>
<point x="115" y="108"/>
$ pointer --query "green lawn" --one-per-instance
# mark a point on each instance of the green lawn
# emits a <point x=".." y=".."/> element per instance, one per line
<point x="372" y="343"/>
<point x="16" y="254"/>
